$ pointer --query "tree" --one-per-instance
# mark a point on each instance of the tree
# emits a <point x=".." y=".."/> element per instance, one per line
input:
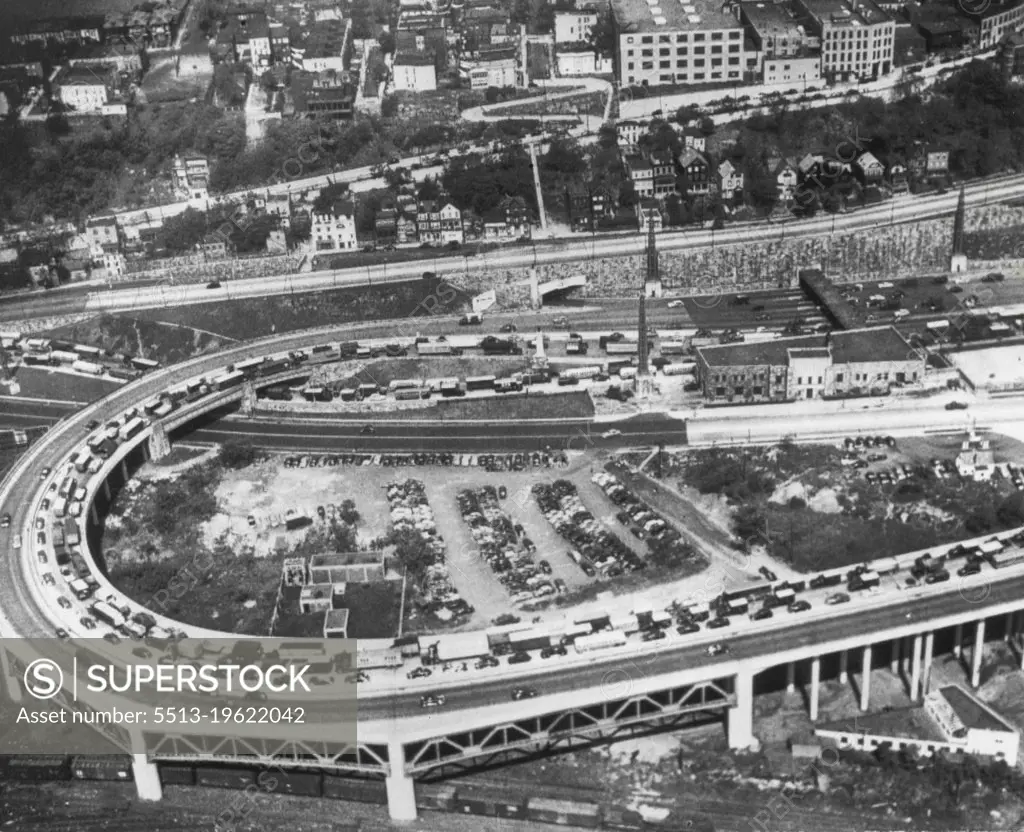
<point x="328" y="195"/>
<point x="184" y="231"/>
<point x="602" y="35"/>
<point x="627" y="195"/>
<point x="564" y="157"/>
<point x="387" y="42"/>
<point x="687" y="114"/>
<point x="607" y="137"/>
<point x="237" y="453"/>
<point x="428" y="189"/>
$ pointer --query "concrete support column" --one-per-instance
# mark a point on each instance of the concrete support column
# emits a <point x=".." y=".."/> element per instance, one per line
<point x="1008" y="626"/>
<point x="147" y="778"/>
<point x="915" y="669"/>
<point x="926" y="665"/>
<point x="741" y="717"/>
<point x="401" y="791"/>
<point x="123" y="468"/>
<point x="865" y="679"/>
<point x="11" y="682"/>
<point x="958" y="640"/>
<point x="94" y="514"/>
<point x="790" y="677"/>
<point x="106" y="489"/>
<point x="895" y="664"/>
<point x="843" y="659"/>
<point x="815" y="684"/>
<point x="979" y="649"/>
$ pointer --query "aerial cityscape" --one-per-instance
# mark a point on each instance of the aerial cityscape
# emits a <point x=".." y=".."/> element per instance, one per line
<point x="511" y="415"/>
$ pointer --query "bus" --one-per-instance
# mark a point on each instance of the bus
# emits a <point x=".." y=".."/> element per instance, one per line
<point x="480" y="383"/>
<point x="67" y="487"/>
<point x="107" y="614"/>
<point x="599" y="641"/>
<point x="228" y="381"/>
<point x="60" y="508"/>
<point x="131" y="429"/>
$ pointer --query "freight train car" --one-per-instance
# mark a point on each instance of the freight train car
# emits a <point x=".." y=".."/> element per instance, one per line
<point x="37" y="767"/>
<point x="218" y="777"/>
<point x="101" y="767"/>
<point x="337" y="787"/>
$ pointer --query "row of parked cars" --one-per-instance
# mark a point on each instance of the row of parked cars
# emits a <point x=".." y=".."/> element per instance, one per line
<point x="410" y="511"/>
<point x="642" y="521"/>
<point x="520" y="462"/>
<point x="596" y="548"/>
<point x="507" y="552"/>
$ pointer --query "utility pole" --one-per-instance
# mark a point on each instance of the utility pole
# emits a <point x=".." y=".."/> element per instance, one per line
<point x="536" y="185"/>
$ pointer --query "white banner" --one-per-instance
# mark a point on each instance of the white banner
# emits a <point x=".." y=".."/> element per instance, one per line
<point x="485" y="301"/>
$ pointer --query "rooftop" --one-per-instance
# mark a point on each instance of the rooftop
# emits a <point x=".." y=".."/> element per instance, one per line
<point x="88" y="75"/>
<point x="773" y="19"/>
<point x="846" y="12"/>
<point x="413" y="59"/>
<point x="670" y="16"/>
<point x="850" y="347"/>
<point x="902" y="723"/>
<point x="971" y="712"/>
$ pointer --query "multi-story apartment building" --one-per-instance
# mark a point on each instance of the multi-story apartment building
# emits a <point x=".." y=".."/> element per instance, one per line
<point x="696" y="170"/>
<point x="997" y="18"/>
<point x="334" y="229"/>
<point x="786" y="49"/>
<point x="856" y="37"/>
<point x="574" y="26"/>
<point x="673" y="42"/>
<point x="439" y="223"/>
<point x="326" y="47"/>
<point x="103" y="236"/>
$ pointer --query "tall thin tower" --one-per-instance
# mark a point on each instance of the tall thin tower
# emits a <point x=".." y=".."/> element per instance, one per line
<point x="957" y="259"/>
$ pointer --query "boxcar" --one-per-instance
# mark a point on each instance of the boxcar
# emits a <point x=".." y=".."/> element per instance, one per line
<point x="177" y="775"/>
<point x="101" y="767"/>
<point x="304" y="783"/>
<point x="480" y="801"/>
<point x="353" y="788"/>
<point x="564" y="812"/>
<point x="39" y="767"/>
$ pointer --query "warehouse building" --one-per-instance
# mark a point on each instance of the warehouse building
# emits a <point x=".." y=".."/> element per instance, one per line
<point x="672" y="42"/>
<point x="851" y="363"/>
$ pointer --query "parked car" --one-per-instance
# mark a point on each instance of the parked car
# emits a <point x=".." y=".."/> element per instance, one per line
<point x="418" y="673"/>
<point x="799" y="606"/>
<point x="654" y="635"/>
<point x="5" y="521"/>
<point x="718" y="649"/>
<point x="41" y="556"/>
<point x="837" y="598"/>
<point x="718" y="622"/>
<point x="523" y="693"/>
<point x="956" y="405"/>
<point x="65" y="604"/>
<point x="487" y="661"/>
<point x="761" y="614"/>
<point x="688" y="627"/>
<point x="432" y="701"/>
<point x="768" y="574"/>
<point x="937" y="577"/>
<point x="62" y="634"/>
<point x="520" y="657"/>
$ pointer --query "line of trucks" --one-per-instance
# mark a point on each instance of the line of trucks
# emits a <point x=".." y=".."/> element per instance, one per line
<point x="559" y="807"/>
<point x="79" y="357"/>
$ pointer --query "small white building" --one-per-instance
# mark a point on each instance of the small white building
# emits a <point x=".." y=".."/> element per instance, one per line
<point x="83" y="89"/>
<point x="730" y="179"/>
<point x="334" y="230"/>
<point x="191" y="177"/>
<point x="574" y="26"/>
<point x="976" y="459"/>
<point x="570" y="62"/>
<point x="414" y="72"/>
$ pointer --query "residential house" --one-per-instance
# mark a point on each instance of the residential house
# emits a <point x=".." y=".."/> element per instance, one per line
<point x="730" y="179"/>
<point x="696" y="170"/>
<point x="787" y="178"/>
<point x="869" y="167"/>
<point x="629" y="134"/>
<point x="278" y="205"/>
<point x="103" y="236"/>
<point x="510" y="220"/>
<point x="215" y="245"/>
<point x="385" y="224"/>
<point x="695" y="139"/>
<point x="191" y="177"/>
<point x="405" y="226"/>
<point x="493" y="68"/>
<point x="641" y="174"/>
<point x="898" y="178"/>
<point x="574" y="26"/>
<point x="334" y="229"/>
<point x="648" y="212"/>
<point x="439" y="223"/>
<point x="326" y="47"/>
<point x="663" y="167"/>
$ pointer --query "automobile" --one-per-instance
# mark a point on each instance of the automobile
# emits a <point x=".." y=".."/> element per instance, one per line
<point x="561" y="320"/>
<point x="213" y="284"/>
<point x="45" y="472"/>
<point x="890" y="441"/>
<point x="251" y="520"/>
<point x="762" y="316"/>
<point x="611" y="434"/>
<point x="113" y="638"/>
<point x="40" y="522"/>
<point x="65" y="604"/>
<point x="508" y="328"/>
<point x="545" y="567"/>
<point x="418" y="673"/>
<point x="357" y="677"/>
<point x="654" y="635"/>
<point x="718" y="622"/>
<point x="368" y="429"/>
<point x="837" y="598"/>
<point x="41" y="538"/>
<point x="767" y="574"/>
<point x="969" y="569"/>
<point x="761" y="614"/>
<point x="91" y="425"/>
<point x="487" y="661"/>
<point x="956" y="405"/>
<point x="45" y="505"/>
<point x="588" y="570"/>
<point x="62" y="634"/>
<point x="860" y="464"/>
<point x="937" y="577"/>
<point x="687" y="627"/>
<point x="523" y="693"/>
<point x="675" y="304"/>
<point x="717" y="649"/>
<point x="799" y="606"/>
<point x="560" y="586"/>
<point x="553" y="650"/>
<point x="48" y="579"/>
<point x="432" y="701"/>
<point x="5" y="521"/>
<point x="871" y="476"/>
<point x="16" y="542"/>
<point x="520" y="657"/>
<point x="255" y="696"/>
<point x="41" y="556"/>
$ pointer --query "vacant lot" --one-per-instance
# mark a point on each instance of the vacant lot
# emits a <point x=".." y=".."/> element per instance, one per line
<point x="44" y="383"/>
<point x="810" y="511"/>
